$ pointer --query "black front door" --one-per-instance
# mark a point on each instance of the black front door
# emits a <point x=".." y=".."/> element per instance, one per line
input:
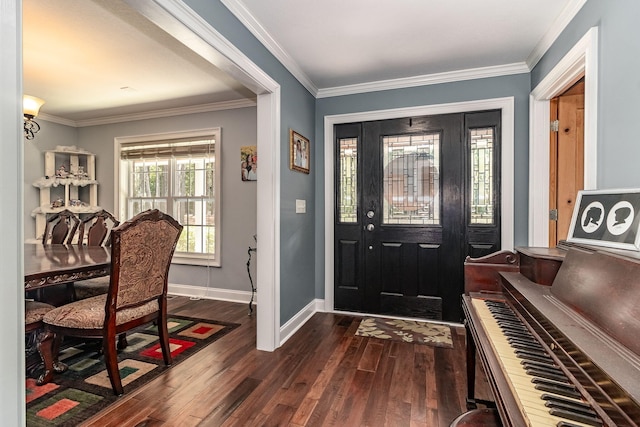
<point x="414" y="196"/>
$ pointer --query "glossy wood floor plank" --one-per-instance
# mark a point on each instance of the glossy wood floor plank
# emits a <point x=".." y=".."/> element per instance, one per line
<point x="322" y="376"/>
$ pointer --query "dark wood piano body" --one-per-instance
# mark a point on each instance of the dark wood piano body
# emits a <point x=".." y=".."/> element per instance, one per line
<point x="539" y="265"/>
<point x="583" y="305"/>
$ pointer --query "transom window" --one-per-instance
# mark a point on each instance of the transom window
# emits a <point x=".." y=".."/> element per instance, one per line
<point x="177" y="174"/>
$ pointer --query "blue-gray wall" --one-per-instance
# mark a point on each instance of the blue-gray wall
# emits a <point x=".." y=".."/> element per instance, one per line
<point x="516" y="86"/>
<point x="297" y="248"/>
<point x="618" y="84"/>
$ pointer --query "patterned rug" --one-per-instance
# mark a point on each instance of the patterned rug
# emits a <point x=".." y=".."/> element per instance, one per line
<point x="84" y="389"/>
<point x="434" y="334"/>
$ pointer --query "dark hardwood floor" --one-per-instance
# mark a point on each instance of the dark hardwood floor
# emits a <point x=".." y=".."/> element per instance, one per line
<point x="323" y="375"/>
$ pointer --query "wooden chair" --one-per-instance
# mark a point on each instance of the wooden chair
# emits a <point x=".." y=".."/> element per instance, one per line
<point x="94" y="230"/>
<point x="141" y="253"/>
<point x="34" y="312"/>
<point x="60" y="228"/>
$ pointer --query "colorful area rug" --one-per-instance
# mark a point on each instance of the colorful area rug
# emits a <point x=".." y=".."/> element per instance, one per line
<point x="434" y="334"/>
<point x="84" y="389"/>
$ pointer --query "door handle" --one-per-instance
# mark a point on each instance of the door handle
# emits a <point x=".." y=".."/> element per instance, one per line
<point x="370" y="227"/>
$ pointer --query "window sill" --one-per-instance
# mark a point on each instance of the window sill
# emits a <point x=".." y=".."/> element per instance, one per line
<point x="193" y="259"/>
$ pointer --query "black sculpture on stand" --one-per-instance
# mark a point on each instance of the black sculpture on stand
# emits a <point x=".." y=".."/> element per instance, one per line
<point x="253" y="288"/>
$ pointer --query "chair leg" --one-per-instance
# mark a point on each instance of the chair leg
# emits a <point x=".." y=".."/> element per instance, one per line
<point x="111" y="360"/>
<point x="48" y="345"/>
<point x="164" y="337"/>
<point x="71" y="292"/>
<point x="122" y="341"/>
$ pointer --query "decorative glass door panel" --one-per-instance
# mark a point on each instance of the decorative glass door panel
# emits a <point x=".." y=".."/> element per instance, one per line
<point x="411" y="181"/>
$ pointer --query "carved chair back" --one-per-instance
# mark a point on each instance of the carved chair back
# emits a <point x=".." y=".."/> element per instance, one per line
<point x="60" y="228"/>
<point x="95" y="230"/>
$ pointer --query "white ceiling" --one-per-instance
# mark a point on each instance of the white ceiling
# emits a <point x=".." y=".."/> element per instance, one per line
<point x="338" y="42"/>
<point x="92" y="59"/>
<point x="99" y="58"/>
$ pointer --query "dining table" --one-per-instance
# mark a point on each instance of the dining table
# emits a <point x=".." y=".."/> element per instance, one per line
<point x="54" y="264"/>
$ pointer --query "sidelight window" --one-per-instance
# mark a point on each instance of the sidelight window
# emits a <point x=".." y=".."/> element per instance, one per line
<point x="348" y="180"/>
<point x="482" y="191"/>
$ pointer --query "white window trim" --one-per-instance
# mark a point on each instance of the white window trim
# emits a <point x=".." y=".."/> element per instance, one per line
<point x="121" y="182"/>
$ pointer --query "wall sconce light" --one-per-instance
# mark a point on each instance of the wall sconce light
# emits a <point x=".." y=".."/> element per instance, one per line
<point x="30" y="108"/>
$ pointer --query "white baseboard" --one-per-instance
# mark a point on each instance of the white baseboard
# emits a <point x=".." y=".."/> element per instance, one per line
<point x="288" y="329"/>
<point x="210" y="293"/>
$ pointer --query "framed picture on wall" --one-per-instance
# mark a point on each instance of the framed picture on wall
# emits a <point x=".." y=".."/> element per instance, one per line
<point x="607" y="218"/>
<point x="298" y="152"/>
<point x="249" y="162"/>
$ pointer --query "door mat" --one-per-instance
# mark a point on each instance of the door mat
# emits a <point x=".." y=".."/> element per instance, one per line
<point x="411" y="331"/>
<point x="84" y="389"/>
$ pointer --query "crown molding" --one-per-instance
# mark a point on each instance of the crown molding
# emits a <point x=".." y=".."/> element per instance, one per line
<point x="56" y="119"/>
<point x="427" y="79"/>
<point x="240" y="11"/>
<point x="169" y="112"/>
<point x="568" y="13"/>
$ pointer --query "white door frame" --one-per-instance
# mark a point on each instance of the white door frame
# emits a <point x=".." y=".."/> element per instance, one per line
<point x="581" y="59"/>
<point x="507" y="147"/>
<point x="174" y="17"/>
<point x="12" y="386"/>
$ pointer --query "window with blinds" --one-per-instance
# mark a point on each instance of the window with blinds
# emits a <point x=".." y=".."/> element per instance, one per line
<point x="176" y="174"/>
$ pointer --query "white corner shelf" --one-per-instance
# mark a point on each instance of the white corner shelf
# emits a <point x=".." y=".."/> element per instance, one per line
<point x="69" y="182"/>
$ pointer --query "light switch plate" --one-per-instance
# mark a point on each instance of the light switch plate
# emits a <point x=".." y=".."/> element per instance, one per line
<point x="301" y="206"/>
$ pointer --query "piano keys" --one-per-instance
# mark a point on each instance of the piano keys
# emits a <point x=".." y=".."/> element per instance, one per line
<point x="564" y="353"/>
<point x="525" y="361"/>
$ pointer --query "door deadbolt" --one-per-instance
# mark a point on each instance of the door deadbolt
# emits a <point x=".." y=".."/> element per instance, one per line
<point x="370" y="214"/>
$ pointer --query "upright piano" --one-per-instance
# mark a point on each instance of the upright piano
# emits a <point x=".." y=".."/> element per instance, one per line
<point x="557" y="332"/>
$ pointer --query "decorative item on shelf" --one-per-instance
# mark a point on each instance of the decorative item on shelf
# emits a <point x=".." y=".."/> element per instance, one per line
<point x="61" y="172"/>
<point x="253" y="288"/>
<point x="58" y="203"/>
<point x="608" y="218"/>
<point x="77" y="203"/>
<point x="30" y="108"/>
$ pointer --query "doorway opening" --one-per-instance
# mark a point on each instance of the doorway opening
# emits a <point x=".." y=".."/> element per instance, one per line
<point x="581" y="60"/>
<point x="566" y="159"/>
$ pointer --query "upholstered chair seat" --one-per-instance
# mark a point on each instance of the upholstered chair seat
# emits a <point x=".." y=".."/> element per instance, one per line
<point x="91" y="287"/>
<point x="34" y="311"/>
<point x="89" y="313"/>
